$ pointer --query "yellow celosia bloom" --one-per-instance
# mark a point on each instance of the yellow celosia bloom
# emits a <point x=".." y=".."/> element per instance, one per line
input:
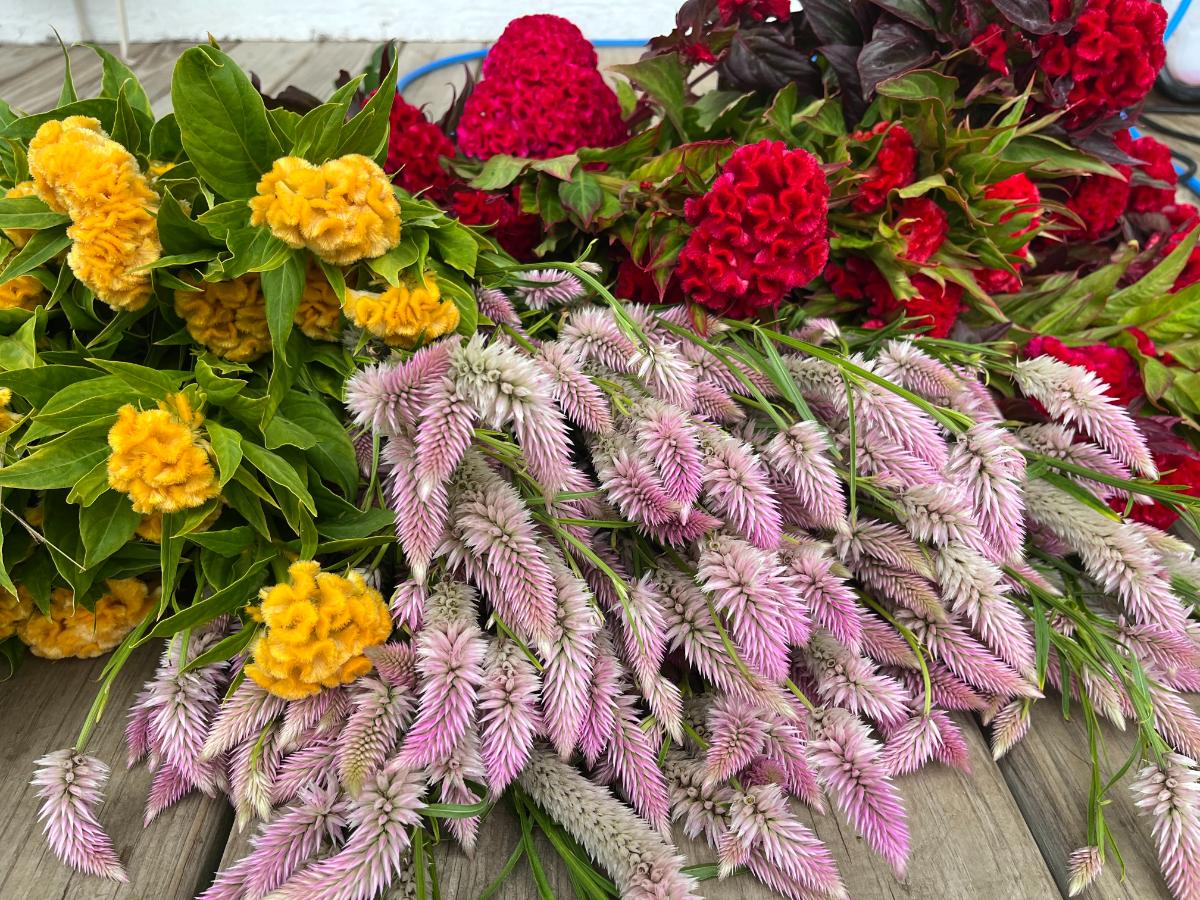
<point x="150" y="527"/>
<point x="318" y="625"/>
<point x="157" y="460"/>
<point x="342" y="211"/>
<point x="404" y="315"/>
<point x="78" y="170"/>
<point x="20" y="236"/>
<point x="13" y="611"/>
<point x="72" y="630"/>
<point x="22" y="292"/>
<point x="319" y="315"/>
<point x="229" y="318"/>
<point x="7" y="417"/>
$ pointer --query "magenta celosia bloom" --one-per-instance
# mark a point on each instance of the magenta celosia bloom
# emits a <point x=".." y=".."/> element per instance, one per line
<point x="494" y="304"/>
<point x="508" y="714"/>
<point x="604" y="688"/>
<point x="911" y="745"/>
<point x="71" y="787"/>
<point x="565" y="680"/>
<point x="738" y="489"/>
<point x="391" y="396"/>
<point x="643" y="644"/>
<point x="828" y="597"/>
<point x="953" y="645"/>
<point x="1170" y="792"/>
<point x="737" y="732"/>
<point x="452" y="774"/>
<point x="666" y="373"/>
<point x="168" y="788"/>
<point x="420" y="514"/>
<point x="583" y="402"/>
<point x="631" y="761"/>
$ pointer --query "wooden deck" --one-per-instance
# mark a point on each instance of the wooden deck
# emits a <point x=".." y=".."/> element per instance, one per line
<point x="1002" y="832"/>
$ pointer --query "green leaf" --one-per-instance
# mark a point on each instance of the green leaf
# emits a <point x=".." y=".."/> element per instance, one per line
<point x="40" y="384"/>
<point x="227" y="448"/>
<point x="155" y="383"/>
<point x="29" y="212"/>
<point x="229" y="542"/>
<point x="115" y="76"/>
<point x="222" y="122"/>
<point x="458" y="246"/>
<point x="166" y="144"/>
<point x="583" y="196"/>
<point x="88" y="489"/>
<point x="1157" y="282"/>
<point x="223" y="601"/>
<point x="920" y="84"/>
<point x="226" y="218"/>
<point x="25" y="127"/>
<point x="318" y="132"/>
<point x="367" y="132"/>
<point x="1045" y="154"/>
<point x="254" y="250"/>
<point x="391" y="264"/>
<point x="276" y="469"/>
<point x="44" y="245"/>
<point x="67" y="93"/>
<point x="283" y="288"/>
<point x="332" y="452"/>
<point x="282" y="432"/>
<point x="664" y="78"/>
<point x="106" y="526"/>
<point x="499" y="172"/>
<point x="58" y="466"/>
<point x="126" y="130"/>
<point x="217" y="388"/>
<point x="226" y="648"/>
<point x="179" y="233"/>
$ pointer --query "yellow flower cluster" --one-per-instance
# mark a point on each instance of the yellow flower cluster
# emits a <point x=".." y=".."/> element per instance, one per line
<point x="7" y="416"/>
<point x="157" y="459"/>
<point x="24" y="291"/>
<point x="150" y="527"/>
<point x="319" y="315"/>
<point x="72" y="630"/>
<point x="343" y="210"/>
<point x="20" y="236"/>
<point x="318" y="625"/>
<point x="228" y="317"/>
<point x="13" y="611"/>
<point x="404" y="315"/>
<point x="78" y="170"/>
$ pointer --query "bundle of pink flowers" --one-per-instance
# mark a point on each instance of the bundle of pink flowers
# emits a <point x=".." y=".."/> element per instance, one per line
<point x="637" y="595"/>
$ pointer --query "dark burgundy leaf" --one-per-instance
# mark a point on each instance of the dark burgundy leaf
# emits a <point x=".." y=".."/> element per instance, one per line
<point x="763" y="59"/>
<point x="1034" y="15"/>
<point x="833" y="22"/>
<point x="843" y="59"/>
<point x="915" y="12"/>
<point x="895" y="47"/>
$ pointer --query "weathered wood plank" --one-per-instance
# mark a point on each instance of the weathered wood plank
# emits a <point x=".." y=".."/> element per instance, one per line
<point x="41" y="709"/>
<point x="1049" y="774"/>
<point x="312" y="67"/>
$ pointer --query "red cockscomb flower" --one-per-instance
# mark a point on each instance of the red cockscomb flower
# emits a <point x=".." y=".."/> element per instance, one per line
<point x="895" y="165"/>
<point x="547" y="39"/>
<point x="1109" y="60"/>
<point x="1156" y="155"/>
<point x="1179" y="468"/>
<point x="992" y="45"/>
<point x="758" y="10"/>
<point x="1026" y="201"/>
<point x="416" y="147"/>
<point x="637" y="284"/>
<point x="934" y="310"/>
<point x="923" y="225"/>
<point x="538" y="111"/>
<point x="1115" y="366"/>
<point x="517" y="232"/>
<point x="759" y="232"/>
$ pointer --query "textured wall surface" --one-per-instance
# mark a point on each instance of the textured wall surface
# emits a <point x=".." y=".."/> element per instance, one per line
<point x="30" y="21"/>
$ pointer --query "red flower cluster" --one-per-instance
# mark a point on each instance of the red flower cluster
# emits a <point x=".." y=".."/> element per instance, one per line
<point x="541" y="95"/>
<point x="992" y="45"/>
<point x="934" y="310"/>
<point x="517" y="232"/>
<point x="1026" y="201"/>
<point x="1179" y="468"/>
<point x="637" y="284"/>
<point x="729" y="10"/>
<point x="1157" y="157"/>
<point x="1112" y="365"/>
<point x="415" y="150"/>
<point x="1191" y="269"/>
<point x="1109" y="60"/>
<point x="923" y="225"/>
<point x="1099" y="202"/>
<point x="549" y="39"/>
<point x="895" y="165"/>
<point x="759" y="232"/>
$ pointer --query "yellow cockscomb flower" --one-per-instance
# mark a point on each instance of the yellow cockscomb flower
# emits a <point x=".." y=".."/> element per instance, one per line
<point x="319" y="315"/>
<point x="71" y="630"/>
<point x="150" y="527"/>
<point x="318" y="625"/>
<point x="20" y="236"/>
<point x="228" y="317"/>
<point x="342" y="211"/>
<point x="7" y="417"/>
<point x="404" y="315"/>
<point x="157" y="458"/>
<point x="13" y="611"/>
<point x="22" y="292"/>
<point x="78" y="170"/>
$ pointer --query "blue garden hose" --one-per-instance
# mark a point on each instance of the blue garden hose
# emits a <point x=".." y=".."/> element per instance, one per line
<point x="1176" y="19"/>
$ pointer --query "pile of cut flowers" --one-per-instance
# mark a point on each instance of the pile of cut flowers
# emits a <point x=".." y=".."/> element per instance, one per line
<point x="667" y="451"/>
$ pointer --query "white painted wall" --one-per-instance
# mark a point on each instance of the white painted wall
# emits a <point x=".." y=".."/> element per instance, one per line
<point x="30" y="21"/>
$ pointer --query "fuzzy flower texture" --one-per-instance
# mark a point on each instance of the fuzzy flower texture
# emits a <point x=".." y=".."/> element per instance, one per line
<point x="405" y="314"/>
<point x="72" y="630"/>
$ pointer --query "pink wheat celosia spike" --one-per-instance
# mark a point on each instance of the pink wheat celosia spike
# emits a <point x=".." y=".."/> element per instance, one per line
<point x="390" y="396"/>
<point x="408" y="601"/>
<point x="1083" y="867"/>
<point x="240" y="717"/>
<point x="848" y="761"/>
<point x="760" y="821"/>
<point x="594" y="335"/>
<point x="905" y="364"/>
<point x="1166" y="650"/>
<point x="294" y="837"/>
<point x="737" y="575"/>
<point x="643" y="642"/>
<point x="600" y="719"/>
<point x="850" y="681"/>
<point x="975" y="587"/>
<point x="578" y="396"/>
<point x="1059" y="442"/>
<point x="677" y="533"/>
<point x="544" y="288"/>
<point x="666" y="374"/>
<point x="665" y="435"/>
<point x="818" y="330"/>
<point x="882" y="643"/>
<point x="737" y="733"/>
<point x="382" y="815"/>
<point x="632" y="484"/>
<point x="698" y="802"/>
<point x="508" y="715"/>
<point x="1170" y="793"/>
<point x="953" y="750"/>
<point x="229" y="884"/>
<point x="631" y="759"/>
<point x="381" y="712"/>
<point x="1009" y="727"/>
<point x="716" y="405"/>
<point x="738" y="489"/>
<point x="447" y="425"/>
<point x="903" y="588"/>
<point x="949" y="691"/>
<point x="253" y="768"/>
<point x="785" y="746"/>
<point x="639" y="859"/>
<point x="990" y="471"/>
<point x="137" y="730"/>
<point x="71" y="787"/>
<point x="313" y="763"/>
<point x="168" y="788"/>
<point x="420" y="514"/>
<point x="395" y="663"/>
<point x="464" y="764"/>
<point x="800" y="458"/>
<point x="828" y="597"/>
<point x="937" y="514"/>
<point x="494" y="304"/>
<point x="885" y="413"/>
<point x="868" y="539"/>
<point x="322" y="712"/>
<point x="1076" y="397"/>
<point x="889" y="463"/>
<point x="911" y="745"/>
<point x="541" y="431"/>
<point x="1175" y="720"/>
<point x="450" y="663"/>
<point x="565" y="679"/>
<point x="954" y="646"/>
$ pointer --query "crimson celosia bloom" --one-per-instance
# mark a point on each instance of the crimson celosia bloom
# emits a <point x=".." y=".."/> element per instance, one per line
<point x="730" y="10"/>
<point x="1026" y="201"/>
<point x="1113" y="365"/>
<point x="935" y="308"/>
<point x="923" y="225"/>
<point x="517" y="232"/>
<point x="894" y="166"/>
<point x="542" y="38"/>
<point x="537" y="111"/>
<point x="759" y="232"/>
<point x="637" y="284"/>
<point x="1109" y="60"/>
<point x="415" y="150"/>
<point x="1157" y="157"/>
<point x="1191" y="269"/>
<point x="1178" y="468"/>
<point x="993" y="47"/>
